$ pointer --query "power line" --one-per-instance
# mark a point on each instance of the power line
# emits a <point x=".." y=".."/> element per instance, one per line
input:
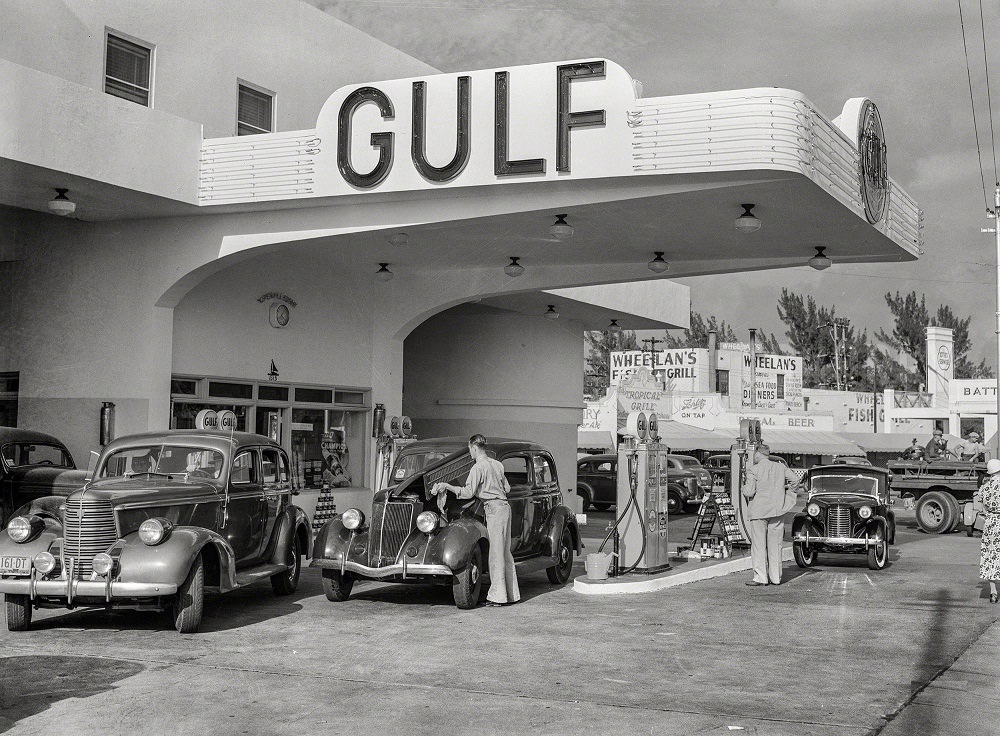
<point x="989" y="101"/>
<point x="972" y="100"/>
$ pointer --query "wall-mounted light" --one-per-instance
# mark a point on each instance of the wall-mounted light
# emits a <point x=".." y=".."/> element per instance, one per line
<point x="614" y="328"/>
<point x="551" y="312"/>
<point x="514" y="269"/>
<point x="61" y="204"/>
<point x="820" y="261"/>
<point x="658" y="265"/>
<point x="398" y="239"/>
<point x="384" y="274"/>
<point x="560" y="229"/>
<point x="747" y="222"/>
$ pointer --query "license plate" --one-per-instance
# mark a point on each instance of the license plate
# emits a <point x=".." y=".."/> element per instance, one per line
<point x="15" y="565"/>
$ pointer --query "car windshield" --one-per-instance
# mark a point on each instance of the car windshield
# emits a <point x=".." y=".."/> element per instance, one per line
<point x="21" y="454"/>
<point x="843" y="483"/>
<point x="413" y="462"/>
<point x="195" y="462"/>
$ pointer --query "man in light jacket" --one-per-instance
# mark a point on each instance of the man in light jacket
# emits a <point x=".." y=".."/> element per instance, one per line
<point x="767" y="504"/>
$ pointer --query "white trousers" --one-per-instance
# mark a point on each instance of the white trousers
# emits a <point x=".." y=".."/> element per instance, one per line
<point x="503" y="576"/>
<point x="765" y="548"/>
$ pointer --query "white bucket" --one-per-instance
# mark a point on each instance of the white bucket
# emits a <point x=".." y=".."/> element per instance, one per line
<point x="597" y="565"/>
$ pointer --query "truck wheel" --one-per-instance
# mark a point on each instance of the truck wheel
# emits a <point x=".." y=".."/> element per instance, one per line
<point x="467" y="584"/>
<point x="285" y="583"/>
<point x="18" y="612"/>
<point x="337" y="586"/>
<point x="956" y="512"/>
<point x="934" y="513"/>
<point x="190" y="602"/>
<point x="805" y="554"/>
<point x="560" y="572"/>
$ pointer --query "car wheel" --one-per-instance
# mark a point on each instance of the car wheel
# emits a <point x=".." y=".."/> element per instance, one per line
<point x="285" y="583"/>
<point x="336" y="585"/>
<point x="878" y="555"/>
<point x="18" y="612"/>
<point x="190" y="601"/>
<point x="560" y="572"/>
<point x="675" y="504"/>
<point x="805" y="554"/>
<point x="584" y="499"/>
<point x="468" y="584"/>
<point x="602" y="506"/>
<point x="934" y="513"/>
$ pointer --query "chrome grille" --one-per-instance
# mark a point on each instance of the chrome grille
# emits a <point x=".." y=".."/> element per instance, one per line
<point x="838" y="521"/>
<point x="88" y="528"/>
<point x="392" y="523"/>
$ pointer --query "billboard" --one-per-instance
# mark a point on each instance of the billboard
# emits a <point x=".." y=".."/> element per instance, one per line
<point x="682" y="369"/>
<point x="776" y="380"/>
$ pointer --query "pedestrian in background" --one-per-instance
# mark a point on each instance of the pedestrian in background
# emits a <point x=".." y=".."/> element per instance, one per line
<point x="989" y="552"/>
<point x="487" y="482"/>
<point x="767" y="503"/>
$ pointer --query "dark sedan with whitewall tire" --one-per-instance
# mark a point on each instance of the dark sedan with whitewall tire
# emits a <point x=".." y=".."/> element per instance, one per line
<point x="847" y="512"/>
<point x="166" y="516"/>
<point x="412" y="536"/>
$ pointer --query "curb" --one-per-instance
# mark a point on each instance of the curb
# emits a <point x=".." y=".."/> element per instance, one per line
<point x="668" y="579"/>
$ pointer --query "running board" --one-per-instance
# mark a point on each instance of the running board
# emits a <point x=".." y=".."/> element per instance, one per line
<point x="255" y="574"/>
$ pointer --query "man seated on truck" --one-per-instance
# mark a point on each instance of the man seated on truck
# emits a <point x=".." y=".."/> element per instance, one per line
<point x="975" y="450"/>
<point x="937" y="448"/>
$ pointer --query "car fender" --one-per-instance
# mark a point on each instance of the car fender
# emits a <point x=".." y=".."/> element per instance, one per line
<point x="46" y="506"/>
<point x="560" y="518"/>
<point x="293" y="521"/>
<point x="805" y="524"/>
<point x="877" y="527"/>
<point x="49" y="533"/>
<point x="170" y="561"/>
<point x="333" y="540"/>
<point x="452" y="545"/>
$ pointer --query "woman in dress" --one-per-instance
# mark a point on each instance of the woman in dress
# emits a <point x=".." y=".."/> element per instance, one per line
<point x="989" y="555"/>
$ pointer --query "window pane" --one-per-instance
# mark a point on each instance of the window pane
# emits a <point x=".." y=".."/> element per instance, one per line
<point x="230" y="390"/>
<point x="314" y="395"/>
<point x="269" y="466"/>
<point x="516" y="470"/>
<point x="349" y="397"/>
<point x="272" y="393"/>
<point x="9" y="382"/>
<point x="244" y="470"/>
<point x="543" y="470"/>
<point x="184" y="386"/>
<point x="127" y="70"/>
<point x="254" y="112"/>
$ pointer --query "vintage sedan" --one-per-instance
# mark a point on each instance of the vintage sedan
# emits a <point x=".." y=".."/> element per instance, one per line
<point x="597" y="483"/>
<point x="411" y="536"/>
<point x="847" y="512"/>
<point x="167" y="515"/>
<point x="33" y="465"/>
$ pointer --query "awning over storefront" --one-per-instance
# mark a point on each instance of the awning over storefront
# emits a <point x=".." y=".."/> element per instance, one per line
<point x="680" y="436"/>
<point x="809" y="443"/>
<point x="593" y="439"/>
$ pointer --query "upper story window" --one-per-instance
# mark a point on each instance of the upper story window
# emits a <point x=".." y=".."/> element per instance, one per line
<point x="128" y="66"/>
<point x="781" y="385"/>
<point x="722" y="382"/>
<point x="255" y="111"/>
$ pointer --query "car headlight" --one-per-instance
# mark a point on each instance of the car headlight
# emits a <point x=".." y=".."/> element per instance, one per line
<point x="23" y="529"/>
<point x="427" y="522"/>
<point x="813" y="509"/>
<point x="353" y="519"/>
<point x="865" y="512"/>
<point x="103" y="564"/>
<point x="154" y="531"/>
<point x="44" y="562"/>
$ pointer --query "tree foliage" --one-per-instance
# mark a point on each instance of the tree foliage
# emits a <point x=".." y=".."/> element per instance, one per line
<point x="600" y="345"/>
<point x="696" y="336"/>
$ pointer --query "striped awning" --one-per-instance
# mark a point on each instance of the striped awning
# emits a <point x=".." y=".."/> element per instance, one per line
<point x="594" y="439"/>
<point x="809" y="442"/>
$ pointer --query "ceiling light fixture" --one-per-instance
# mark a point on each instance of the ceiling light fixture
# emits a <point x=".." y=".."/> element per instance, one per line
<point x="384" y="274"/>
<point x="551" y="312"/>
<point x="820" y="261"/>
<point x="614" y="328"/>
<point x="658" y="265"/>
<point x="61" y="205"/>
<point x="514" y="269"/>
<point x="398" y="239"/>
<point x="560" y="229"/>
<point x="747" y="222"/>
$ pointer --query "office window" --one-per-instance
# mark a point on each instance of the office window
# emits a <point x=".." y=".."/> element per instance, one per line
<point x="128" y="70"/>
<point x="781" y="385"/>
<point x="255" y="111"/>
<point x="722" y="382"/>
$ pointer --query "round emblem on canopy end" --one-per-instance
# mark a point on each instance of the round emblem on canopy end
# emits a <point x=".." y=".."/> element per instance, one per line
<point x="872" y="163"/>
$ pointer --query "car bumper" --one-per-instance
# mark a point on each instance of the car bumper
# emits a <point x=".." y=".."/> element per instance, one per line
<point x="403" y="570"/>
<point x="70" y="589"/>
<point x="845" y="541"/>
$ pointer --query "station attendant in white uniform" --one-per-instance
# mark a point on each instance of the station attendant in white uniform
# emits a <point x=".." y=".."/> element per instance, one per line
<point x="488" y="482"/>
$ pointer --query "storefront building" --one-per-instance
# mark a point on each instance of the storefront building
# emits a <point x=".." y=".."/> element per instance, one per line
<point x="280" y="233"/>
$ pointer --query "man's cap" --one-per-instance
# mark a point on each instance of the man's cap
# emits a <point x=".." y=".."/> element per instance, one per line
<point x="993" y="467"/>
<point x="938" y="433"/>
<point x="973" y="435"/>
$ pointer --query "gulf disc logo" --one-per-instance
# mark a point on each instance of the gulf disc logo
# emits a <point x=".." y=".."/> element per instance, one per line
<point x="944" y="358"/>
<point x="872" y="163"/>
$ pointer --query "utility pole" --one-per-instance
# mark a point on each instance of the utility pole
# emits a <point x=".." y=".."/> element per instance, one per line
<point x="653" y="342"/>
<point x="835" y="326"/>
<point x="996" y="230"/>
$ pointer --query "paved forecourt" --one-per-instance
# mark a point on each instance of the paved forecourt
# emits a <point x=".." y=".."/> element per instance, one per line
<point x="835" y="650"/>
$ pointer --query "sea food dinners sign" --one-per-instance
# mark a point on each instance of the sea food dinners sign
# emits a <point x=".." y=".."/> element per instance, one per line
<point x="537" y="122"/>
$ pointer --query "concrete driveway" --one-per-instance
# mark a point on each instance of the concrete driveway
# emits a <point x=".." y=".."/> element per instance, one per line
<point x="834" y="650"/>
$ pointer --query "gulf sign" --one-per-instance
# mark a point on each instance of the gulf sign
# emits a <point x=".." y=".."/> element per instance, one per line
<point x="524" y="123"/>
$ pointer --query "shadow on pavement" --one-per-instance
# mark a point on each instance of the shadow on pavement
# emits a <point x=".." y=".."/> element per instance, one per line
<point x="30" y="684"/>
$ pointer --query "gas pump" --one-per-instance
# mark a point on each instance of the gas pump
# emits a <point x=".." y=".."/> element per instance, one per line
<point x="740" y="459"/>
<point x="642" y="498"/>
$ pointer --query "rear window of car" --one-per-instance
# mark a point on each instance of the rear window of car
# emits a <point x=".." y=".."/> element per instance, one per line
<point x="687" y="462"/>
<point x="604" y="467"/>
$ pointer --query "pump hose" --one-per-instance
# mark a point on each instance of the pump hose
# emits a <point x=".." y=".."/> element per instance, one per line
<point x="633" y="463"/>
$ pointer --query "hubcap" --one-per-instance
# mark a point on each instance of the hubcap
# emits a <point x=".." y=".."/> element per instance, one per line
<point x="933" y="512"/>
<point x="475" y="574"/>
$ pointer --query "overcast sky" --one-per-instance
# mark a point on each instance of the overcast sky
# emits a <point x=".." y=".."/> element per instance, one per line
<point x="906" y="56"/>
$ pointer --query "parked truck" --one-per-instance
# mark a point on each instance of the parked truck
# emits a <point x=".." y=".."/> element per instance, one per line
<point x="940" y="489"/>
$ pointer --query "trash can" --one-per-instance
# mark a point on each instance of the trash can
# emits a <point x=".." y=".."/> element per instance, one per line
<point x="597" y="565"/>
